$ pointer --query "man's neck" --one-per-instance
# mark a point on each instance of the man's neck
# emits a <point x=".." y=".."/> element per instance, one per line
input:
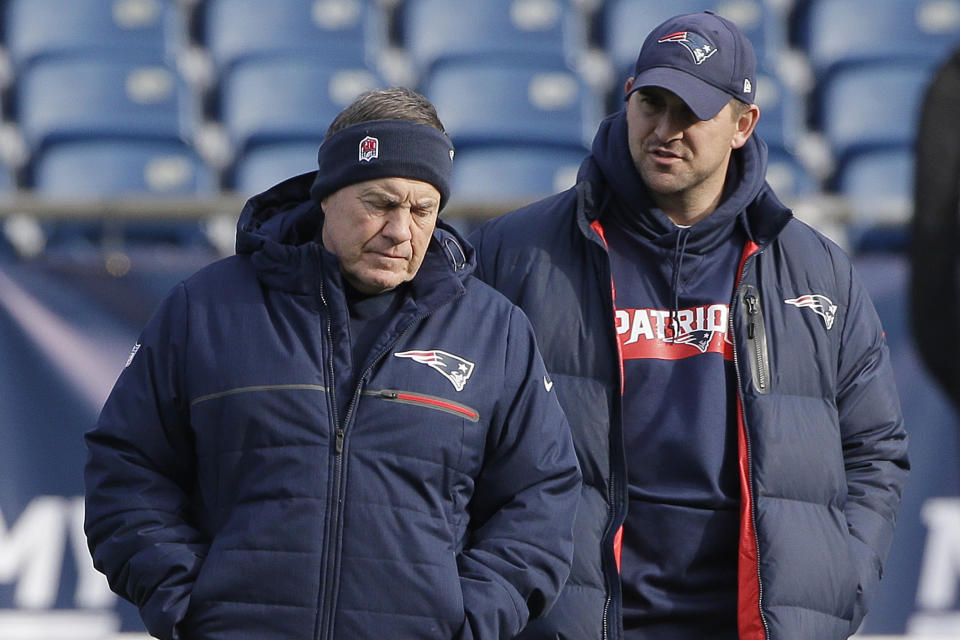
<point x="687" y="211"/>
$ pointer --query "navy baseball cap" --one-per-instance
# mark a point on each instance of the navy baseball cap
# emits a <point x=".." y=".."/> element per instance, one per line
<point x="702" y="58"/>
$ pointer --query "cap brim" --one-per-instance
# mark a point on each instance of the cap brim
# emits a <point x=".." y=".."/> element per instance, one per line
<point x="704" y="99"/>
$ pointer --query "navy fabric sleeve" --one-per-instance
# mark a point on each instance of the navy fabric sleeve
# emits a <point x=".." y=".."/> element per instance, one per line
<point x="520" y="547"/>
<point x="139" y="473"/>
<point x="874" y="442"/>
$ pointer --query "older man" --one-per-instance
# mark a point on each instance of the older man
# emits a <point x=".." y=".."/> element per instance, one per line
<point x="338" y="432"/>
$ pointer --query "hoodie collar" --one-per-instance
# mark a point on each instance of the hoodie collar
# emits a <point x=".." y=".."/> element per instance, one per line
<point x="747" y="199"/>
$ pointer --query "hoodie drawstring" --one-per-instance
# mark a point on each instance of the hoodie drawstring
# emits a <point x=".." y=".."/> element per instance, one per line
<point x="678" y="252"/>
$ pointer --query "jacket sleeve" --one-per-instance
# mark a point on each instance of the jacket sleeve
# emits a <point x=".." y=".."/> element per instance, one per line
<point x="138" y="475"/>
<point x="520" y="544"/>
<point x="874" y="442"/>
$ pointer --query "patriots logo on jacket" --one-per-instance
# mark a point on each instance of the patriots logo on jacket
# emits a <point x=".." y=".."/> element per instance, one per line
<point x="820" y="304"/>
<point x="698" y="46"/>
<point x="453" y="368"/>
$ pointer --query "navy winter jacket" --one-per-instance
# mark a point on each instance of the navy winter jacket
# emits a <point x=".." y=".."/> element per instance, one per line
<point x="822" y="449"/>
<point x="229" y="497"/>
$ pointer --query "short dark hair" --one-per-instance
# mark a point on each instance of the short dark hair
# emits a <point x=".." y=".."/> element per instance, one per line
<point x="394" y="103"/>
<point x="739" y="107"/>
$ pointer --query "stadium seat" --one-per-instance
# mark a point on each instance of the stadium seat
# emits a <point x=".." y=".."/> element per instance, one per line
<point x="870" y="104"/>
<point x="75" y="96"/>
<point x="878" y="174"/>
<point x="8" y="180"/>
<point x="265" y="100"/>
<point x="433" y="30"/>
<point x="782" y="112"/>
<point x="94" y="168"/>
<point x="787" y="175"/>
<point x="625" y="24"/>
<point x="342" y="32"/>
<point x="836" y="32"/>
<point x="33" y="28"/>
<point x="878" y="186"/>
<point x="512" y="175"/>
<point x="263" y="166"/>
<point x="526" y="102"/>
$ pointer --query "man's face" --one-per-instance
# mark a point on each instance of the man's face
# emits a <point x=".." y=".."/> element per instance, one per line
<point x="380" y="230"/>
<point x="680" y="157"/>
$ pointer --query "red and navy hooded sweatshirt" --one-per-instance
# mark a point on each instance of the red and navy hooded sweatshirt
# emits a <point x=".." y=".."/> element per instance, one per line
<point x="672" y="289"/>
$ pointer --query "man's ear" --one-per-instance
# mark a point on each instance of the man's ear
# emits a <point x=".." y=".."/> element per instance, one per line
<point x="746" y="123"/>
<point x="627" y="86"/>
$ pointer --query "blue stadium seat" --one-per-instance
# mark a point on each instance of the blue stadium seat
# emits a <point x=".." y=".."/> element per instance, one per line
<point x="526" y="102"/>
<point x="782" y="112"/>
<point x="94" y="168"/>
<point x="268" y="164"/>
<point x="834" y="32"/>
<point x="625" y="24"/>
<point x="34" y="28"/>
<point x="343" y="32"/>
<point x="433" y="30"/>
<point x="866" y="105"/>
<point x="881" y="173"/>
<point x="513" y="174"/>
<point x="878" y="186"/>
<point x="73" y="96"/>
<point x="8" y="180"/>
<point x="788" y="176"/>
<point x="265" y="100"/>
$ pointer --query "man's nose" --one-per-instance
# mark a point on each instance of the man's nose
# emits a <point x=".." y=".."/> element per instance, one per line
<point x="397" y="225"/>
<point x="670" y="125"/>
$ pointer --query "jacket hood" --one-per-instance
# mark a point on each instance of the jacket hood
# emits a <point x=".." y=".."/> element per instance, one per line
<point x="747" y="198"/>
<point x="280" y="230"/>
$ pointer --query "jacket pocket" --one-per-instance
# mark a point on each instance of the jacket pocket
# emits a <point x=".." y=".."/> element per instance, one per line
<point x="756" y="339"/>
<point x="427" y="402"/>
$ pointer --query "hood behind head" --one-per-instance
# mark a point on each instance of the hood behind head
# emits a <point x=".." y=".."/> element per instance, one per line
<point x="631" y="200"/>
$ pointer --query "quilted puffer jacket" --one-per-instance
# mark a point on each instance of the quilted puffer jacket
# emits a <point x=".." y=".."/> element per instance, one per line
<point x="230" y="497"/>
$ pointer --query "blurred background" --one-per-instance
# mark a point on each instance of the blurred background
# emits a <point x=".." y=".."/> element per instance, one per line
<point x="132" y="131"/>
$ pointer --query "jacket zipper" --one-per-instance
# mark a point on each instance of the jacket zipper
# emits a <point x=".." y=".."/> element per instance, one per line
<point x="746" y="431"/>
<point x="339" y="447"/>
<point x="611" y="489"/>
<point x="333" y="522"/>
<point x="757" y="340"/>
<point x="427" y="401"/>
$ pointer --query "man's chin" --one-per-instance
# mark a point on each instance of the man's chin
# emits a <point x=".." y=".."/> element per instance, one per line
<point x="376" y="283"/>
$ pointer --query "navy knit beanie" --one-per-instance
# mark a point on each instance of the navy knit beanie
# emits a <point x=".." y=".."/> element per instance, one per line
<point x="384" y="149"/>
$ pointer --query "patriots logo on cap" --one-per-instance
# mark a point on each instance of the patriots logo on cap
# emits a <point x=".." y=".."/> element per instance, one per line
<point x="820" y="304"/>
<point x="453" y="368"/>
<point x="698" y="46"/>
<point x="369" y="149"/>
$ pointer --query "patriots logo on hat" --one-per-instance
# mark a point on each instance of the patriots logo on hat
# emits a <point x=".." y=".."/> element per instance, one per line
<point x="820" y="304"/>
<point x="453" y="368"/>
<point x="698" y="46"/>
<point x="369" y="149"/>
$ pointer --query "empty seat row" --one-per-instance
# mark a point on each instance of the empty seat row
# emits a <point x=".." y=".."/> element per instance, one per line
<point x="90" y="76"/>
